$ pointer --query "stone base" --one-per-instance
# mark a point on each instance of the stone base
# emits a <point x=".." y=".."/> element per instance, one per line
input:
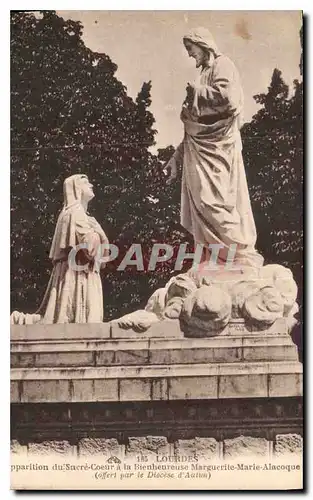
<point x="87" y="369"/>
<point x="211" y="428"/>
<point x="86" y="389"/>
<point x="154" y="383"/>
<point x="167" y="328"/>
<point x="101" y="352"/>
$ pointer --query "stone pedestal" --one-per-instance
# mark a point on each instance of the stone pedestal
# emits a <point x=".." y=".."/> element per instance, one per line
<point x="83" y="387"/>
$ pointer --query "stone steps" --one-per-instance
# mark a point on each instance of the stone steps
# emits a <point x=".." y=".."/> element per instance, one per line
<point x="154" y="383"/>
<point x="164" y="329"/>
<point x="104" y="363"/>
<point x="109" y="352"/>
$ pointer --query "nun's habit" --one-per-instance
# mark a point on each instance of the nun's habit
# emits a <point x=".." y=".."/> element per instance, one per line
<point x="74" y="296"/>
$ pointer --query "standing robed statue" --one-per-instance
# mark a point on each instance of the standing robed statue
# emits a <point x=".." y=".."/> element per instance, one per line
<point x="215" y="203"/>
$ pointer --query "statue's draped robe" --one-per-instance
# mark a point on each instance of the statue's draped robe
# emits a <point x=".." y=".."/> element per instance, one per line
<point x="74" y="296"/>
<point x="215" y="203"/>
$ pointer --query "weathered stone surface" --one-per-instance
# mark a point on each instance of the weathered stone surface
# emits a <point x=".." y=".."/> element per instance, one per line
<point x="264" y="306"/>
<point x="182" y="355"/>
<point x="240" y="327"/>
<point x="288" y="443"/>
<point x="139" y="321"/>
<point x="205" y="312"/>
<point x="137" y="390"/>
<point x="105" y="390"/>
<point x="159" y="389"/>
<point x="14" y="392"/>
<point x="204" y="448"/>
<point x="282" y="279"/>
<point x="64" y="359"/>
<point x="132" y="357"/>
<point x="22" y="360"/>
<point x="285" y="384"/>
<point x="193" y="387"/>
<point x="60" y="331"/>
<point x="45" y="391"/>
<point x="270" y="353"/>
<point x="165" y="328"/>
<point x="122" y="352"/>
<point x="17" y="448"/>
<point x="194" y="350"/>
<point x="156" y="302"/>
<point x="51" y="448"/>
<point x="246" y="446"/>
<point x="63" y="345"/>
<point x="237" y="327"/>
<point x="222" y="349"/>
<point x="148" y="446"/>
<point x="93" y="390"/>
<point x="240" y="291"/>
<point x="206" y="305"/>
<point x="227" y="354"/>
<point x="123" y="372"/>
<point x="100" y="446"/>
<point x="245" y="385"/>
<point x="157" y="381"/>
<point x="274" y="339"/>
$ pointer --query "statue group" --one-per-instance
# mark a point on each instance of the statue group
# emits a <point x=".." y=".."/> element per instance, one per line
<point x="215" y="209"/>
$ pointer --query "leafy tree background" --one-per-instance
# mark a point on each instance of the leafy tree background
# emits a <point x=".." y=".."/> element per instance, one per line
<point x="70" y="114"/>
<point x="273" y="155"/>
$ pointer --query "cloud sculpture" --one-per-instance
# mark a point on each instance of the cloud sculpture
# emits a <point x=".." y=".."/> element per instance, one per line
<point x="206" y="312"/>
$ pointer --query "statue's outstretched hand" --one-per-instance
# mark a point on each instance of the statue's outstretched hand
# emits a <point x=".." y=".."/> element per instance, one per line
<point x="170" y="170"/>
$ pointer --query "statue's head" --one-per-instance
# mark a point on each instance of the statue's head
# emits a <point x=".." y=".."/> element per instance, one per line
<point x="77" y="188"/>
<point x="196" y="52"/>
<point x="200" y="45"/>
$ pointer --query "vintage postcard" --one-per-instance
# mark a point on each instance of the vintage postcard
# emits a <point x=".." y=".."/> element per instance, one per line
<point x="156" y="243"/>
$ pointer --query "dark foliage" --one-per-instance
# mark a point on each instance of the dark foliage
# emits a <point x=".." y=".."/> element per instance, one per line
<point x="273" y="155"/>
<point x="69" y="115"/>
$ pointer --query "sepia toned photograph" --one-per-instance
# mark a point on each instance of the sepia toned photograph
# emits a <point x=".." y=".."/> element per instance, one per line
<point x="156" y="250"/>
